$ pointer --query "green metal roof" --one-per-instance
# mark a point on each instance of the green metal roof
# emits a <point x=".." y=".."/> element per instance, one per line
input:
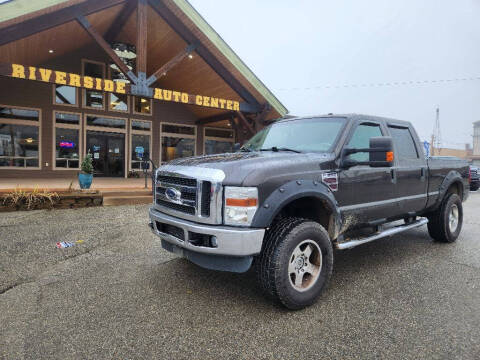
<point x="16" y="8"/>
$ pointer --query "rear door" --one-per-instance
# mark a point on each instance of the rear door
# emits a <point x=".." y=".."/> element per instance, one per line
<point x="368" y="193"/>
<point x="410" y="170"/>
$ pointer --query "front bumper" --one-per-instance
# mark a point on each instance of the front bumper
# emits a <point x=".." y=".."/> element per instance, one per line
<point x="229" y="240"/>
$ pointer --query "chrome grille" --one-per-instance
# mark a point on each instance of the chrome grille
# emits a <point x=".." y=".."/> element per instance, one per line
<point x="190" y="193"/>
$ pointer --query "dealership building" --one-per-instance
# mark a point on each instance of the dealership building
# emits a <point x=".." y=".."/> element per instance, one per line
<point x="121" y="80"/>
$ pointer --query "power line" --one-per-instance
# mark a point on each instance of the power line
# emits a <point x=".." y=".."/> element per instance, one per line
<point x="393" y="83"/>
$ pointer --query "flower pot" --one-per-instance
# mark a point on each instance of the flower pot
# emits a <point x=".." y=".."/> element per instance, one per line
<point x="85" y="180"/>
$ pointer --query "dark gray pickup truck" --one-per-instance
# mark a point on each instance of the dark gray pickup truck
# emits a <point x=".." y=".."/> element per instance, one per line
<point x="299" y="189"/>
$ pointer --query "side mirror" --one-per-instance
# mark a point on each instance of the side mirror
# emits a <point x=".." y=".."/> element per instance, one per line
<point x="380" y="153"/>
<point x="236" y="147"/>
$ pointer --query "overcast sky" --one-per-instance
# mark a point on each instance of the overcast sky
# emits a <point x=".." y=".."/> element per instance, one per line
<point x="324" y="45"/>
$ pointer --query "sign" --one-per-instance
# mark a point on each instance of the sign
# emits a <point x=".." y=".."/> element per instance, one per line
<point x="67" y="144"/>
<point x="426" y="147"/>
<point x="139" y="150"/>
<point x="69" y="79"/>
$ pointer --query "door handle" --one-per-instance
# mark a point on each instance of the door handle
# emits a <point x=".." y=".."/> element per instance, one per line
<point x="393" y="174"/>
<point x="422" y="174"/>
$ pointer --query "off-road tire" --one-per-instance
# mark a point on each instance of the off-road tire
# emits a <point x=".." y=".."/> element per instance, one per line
<point x="272" y="265"/>
<point x="438" y="222"/>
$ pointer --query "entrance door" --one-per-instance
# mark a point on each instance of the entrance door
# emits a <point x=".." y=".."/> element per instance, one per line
<point x="108" y="152"/>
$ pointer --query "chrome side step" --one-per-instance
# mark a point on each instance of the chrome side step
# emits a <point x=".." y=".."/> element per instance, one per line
<point x="388" y="232"/>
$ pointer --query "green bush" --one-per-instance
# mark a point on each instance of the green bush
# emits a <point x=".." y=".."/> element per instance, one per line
<point x="87" y="165"/>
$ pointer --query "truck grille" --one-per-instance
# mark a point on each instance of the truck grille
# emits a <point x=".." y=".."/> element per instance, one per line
<point x="183" y="194"/>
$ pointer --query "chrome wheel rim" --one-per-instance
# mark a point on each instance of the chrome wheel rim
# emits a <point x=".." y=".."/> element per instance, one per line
<point x="305" y="265"/>
<point x="453" y="218"/>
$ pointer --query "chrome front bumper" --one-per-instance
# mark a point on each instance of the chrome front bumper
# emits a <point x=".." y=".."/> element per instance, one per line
<point x="230" y="241"/>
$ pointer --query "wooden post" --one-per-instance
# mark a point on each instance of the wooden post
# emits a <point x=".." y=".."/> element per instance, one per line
<point x="141" y="37"/>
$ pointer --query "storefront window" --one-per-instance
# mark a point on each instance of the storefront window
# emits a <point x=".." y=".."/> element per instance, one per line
<point x="176" y="143"/>
<point x="141" y="142"/>
<point x="65" y="95"/>
<point x="66" y="148"/>
<point x="19" y="137"/>
<point x="142" y="105"/>
<point x="19" y="145"/>
<point x="140" y="148"/>
<point x="118" y="102"/>
<point x="67" y="140"/>
<point x="218" y="141"/>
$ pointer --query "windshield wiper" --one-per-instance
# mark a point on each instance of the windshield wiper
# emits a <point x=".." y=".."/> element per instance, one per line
<point x="246" y="149"/>
<point x="277" y="149"/>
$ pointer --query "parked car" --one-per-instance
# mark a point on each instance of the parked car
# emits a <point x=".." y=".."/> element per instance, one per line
<point x="474" y="178"/>
<point x="300" y="188"/>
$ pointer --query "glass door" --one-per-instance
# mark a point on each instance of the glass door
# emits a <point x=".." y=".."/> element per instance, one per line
<point x="108" y="153"/>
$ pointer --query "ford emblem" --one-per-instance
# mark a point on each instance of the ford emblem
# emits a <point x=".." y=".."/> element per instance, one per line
<point x="173" y="194"/>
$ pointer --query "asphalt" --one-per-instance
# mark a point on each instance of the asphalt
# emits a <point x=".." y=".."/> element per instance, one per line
<point x="118" y="295"/>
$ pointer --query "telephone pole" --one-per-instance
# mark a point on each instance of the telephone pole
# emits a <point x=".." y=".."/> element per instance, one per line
<point x="437" y="135"/>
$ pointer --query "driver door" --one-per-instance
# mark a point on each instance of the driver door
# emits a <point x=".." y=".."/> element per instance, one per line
<point x="368" y="193"/>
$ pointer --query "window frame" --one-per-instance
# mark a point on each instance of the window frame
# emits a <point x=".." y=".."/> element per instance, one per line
<point x="181" y="136"/>
<point x="139" y="113"/>
<point x="27" y="123"/>
<point x="354" y="128"/>
<point x="78" y="127"/>
<point x="84" y="91"/>
<point x="205" y="137"/>
<point x="396" y="126"/>
<point x="109" y="97"/>
<point x="77" y="97"/>
<point x="138" y="132"/>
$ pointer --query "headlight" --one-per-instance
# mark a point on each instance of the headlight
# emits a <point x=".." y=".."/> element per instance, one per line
<point x="241" y="203"/>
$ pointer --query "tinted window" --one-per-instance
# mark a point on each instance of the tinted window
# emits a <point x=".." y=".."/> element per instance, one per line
<point x="361" y="139"/>
<point x="404" y="144"/>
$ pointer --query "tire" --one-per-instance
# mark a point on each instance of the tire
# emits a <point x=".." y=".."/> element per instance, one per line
<point x="296" y="262"/>
<point x="441" y="227"/>
<point x="474" y="187"/>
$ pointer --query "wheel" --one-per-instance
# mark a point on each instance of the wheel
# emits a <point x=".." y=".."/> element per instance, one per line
<point x="445" y="224"/>
<point x="473" y="187"/>
<point x="296" y="262"/>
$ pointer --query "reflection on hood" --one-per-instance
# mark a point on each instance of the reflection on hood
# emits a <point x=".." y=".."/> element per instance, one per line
<point x="228" y="157"/>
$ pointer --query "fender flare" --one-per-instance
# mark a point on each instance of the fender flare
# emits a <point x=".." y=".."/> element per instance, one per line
<point x="291" y="191"/>
<point x="452" y="177"/>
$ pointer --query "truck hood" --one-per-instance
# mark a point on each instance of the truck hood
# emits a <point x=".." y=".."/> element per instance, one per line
<point x="253" y="168"/>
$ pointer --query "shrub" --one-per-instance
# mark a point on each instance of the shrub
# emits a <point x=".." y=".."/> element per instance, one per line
<point x="21" y="198"/>
<point x="87" y="165"/>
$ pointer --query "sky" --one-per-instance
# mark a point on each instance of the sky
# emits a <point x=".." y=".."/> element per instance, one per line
<point x="322" y="56"/>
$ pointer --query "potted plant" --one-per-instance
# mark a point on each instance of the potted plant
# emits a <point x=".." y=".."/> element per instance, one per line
<point x="85" y="177"/>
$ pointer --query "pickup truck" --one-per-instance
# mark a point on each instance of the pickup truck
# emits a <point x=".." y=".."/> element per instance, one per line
<point x="299" y="189"/>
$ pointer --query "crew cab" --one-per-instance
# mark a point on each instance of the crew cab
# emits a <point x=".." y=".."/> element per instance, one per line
<point x="299" y="189"/>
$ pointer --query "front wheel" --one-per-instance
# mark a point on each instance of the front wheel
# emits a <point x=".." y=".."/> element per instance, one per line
<point x="445" y="224"/>
<point x="296" y="262"/>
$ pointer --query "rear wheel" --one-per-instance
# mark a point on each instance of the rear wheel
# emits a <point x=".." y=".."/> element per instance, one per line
<point x="296" y="262"/>
<point x="445" y="224"/>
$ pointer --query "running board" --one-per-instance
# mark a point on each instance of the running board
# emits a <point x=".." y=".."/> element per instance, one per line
<point x="388" y="232"/>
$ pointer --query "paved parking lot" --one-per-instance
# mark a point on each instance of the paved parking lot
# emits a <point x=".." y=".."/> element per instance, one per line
<point x="119" y="295"/>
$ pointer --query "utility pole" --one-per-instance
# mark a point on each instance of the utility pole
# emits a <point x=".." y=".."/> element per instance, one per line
<point x="437" y="135"/>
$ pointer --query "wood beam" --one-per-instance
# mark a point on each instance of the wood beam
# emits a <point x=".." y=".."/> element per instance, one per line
<point x="82" y="20"/>
<point x="141" y="37"/>
<point x="120" y="21"/>
<point x="245" y="122"/>
<point x="181" y="29"/>
<point x="44" y="22"/>
<point x="169" y="65"/>
<point x="215" y="118"/>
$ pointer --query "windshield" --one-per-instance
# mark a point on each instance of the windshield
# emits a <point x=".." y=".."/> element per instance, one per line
<point x="305" y="135"/>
